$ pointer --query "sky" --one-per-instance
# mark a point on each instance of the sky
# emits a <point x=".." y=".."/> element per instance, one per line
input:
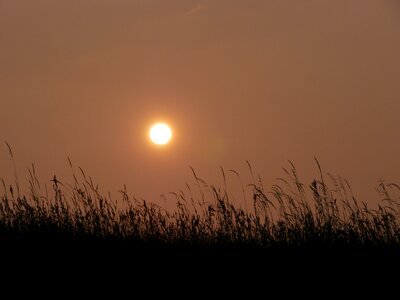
<point x="264" y="81"/>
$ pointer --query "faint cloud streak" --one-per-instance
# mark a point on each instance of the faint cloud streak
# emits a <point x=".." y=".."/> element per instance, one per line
<point x="195" y="10"/>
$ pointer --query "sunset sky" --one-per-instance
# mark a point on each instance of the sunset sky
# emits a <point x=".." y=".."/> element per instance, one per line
<point x="264" y="81"/>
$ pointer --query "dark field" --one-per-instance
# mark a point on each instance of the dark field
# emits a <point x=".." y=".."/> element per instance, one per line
<point x="292" y="224"/>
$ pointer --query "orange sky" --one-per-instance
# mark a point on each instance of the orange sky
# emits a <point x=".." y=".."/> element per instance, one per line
<point x="264" y="81"/>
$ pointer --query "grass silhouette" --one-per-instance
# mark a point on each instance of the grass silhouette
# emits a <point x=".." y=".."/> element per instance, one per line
<point x="291" y="228"/>
<point x="291" y="214"/>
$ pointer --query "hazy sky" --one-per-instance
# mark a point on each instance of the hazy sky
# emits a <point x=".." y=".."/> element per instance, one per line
<point x="265" y="81"/>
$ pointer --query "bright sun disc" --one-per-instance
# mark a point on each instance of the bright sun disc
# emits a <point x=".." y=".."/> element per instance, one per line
<point x="160" y="133"/>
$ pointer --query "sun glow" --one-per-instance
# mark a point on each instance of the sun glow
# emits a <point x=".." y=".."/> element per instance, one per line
<point x="160" y="134"/>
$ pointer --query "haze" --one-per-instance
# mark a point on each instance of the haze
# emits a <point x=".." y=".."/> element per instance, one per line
<point x="264" y="81"/>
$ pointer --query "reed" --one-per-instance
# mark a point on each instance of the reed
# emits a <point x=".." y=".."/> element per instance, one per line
<point x="321" y="213"/>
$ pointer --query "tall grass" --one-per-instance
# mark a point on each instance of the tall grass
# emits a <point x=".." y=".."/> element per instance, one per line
<point x="323" y="212"/>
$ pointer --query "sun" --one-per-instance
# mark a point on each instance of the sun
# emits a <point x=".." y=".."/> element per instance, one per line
<point x="160" y="134"/>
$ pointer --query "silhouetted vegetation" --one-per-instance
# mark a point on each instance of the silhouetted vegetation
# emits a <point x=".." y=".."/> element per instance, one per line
<point x="290" y="214"/>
